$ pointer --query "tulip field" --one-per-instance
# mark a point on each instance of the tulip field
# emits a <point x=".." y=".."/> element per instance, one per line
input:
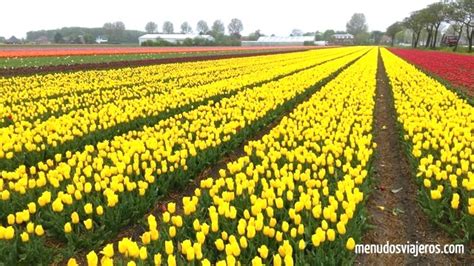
<point x="34" y="60"/>
<point x="89" y="159"/>
<point x="455" y="68"/>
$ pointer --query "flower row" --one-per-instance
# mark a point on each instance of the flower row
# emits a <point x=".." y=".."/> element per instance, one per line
<point x="25" y="137"/>
<point x="85" y="195"/>
<point x="40" y="95"/>
<point x="438" y="129"/>
<point x="455" y="68"/>
<point x="293" y="198"/>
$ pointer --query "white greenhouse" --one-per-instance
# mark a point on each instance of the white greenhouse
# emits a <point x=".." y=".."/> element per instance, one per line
<point x="279" y="41"/>
<point x="172" y="38"/>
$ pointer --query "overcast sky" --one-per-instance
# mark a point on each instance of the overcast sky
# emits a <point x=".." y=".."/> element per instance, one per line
<point x="270" y="16"/>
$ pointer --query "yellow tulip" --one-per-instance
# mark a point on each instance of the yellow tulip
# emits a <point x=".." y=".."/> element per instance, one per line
<point x="157" y="259"/>
<point x="88" y="224"/>
<point x="435" y="194"/>
<point x="11" y="219"/>
<point x="143" y="253"/>
<point x="72" y="262"/>
<point x="67" y="227"/>
<point x="39" y="230"/>
<point x="75" y="218"/>
<point x="219" y="244"/>
<point x="25" y="237"/>
<point x="108" y="251"/>
<point x="257" y="261"/>
<point x="171" y="260"/>
<point x="169" y="247"/>
<point x="277" y="261"/>
<point x="263" y="251"/>
<point x="171" y="207"/>
<point x="9" y="233"/>
<point x="243" y="242"/>
<point x="350" y="244"/>
<point x="32" y="207"/>
<point x="172" y="231"/>
<point x="99" y="210"/>
<point x="57" y="205"/>
<point x="88" y="209"/>
<point x="455" y="201"/>
<point x="92" y="259"/>
<point x="301" y="244"/>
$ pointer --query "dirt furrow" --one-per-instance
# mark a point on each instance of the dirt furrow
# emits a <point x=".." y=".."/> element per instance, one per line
<point x="395" y="215"/>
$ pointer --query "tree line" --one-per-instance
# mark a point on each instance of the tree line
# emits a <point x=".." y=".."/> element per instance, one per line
<point x="235" y="27"/>
<point x="217" y="30"/>
<point x="115" y="32"/>
<point x="425" y="24"/>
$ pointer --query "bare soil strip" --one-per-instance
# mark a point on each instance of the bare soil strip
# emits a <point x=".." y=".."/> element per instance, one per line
<point x="395" y="215"/>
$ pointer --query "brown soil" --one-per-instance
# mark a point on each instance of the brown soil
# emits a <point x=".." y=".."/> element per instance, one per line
<point x="397" y="217"/>
<point x="24" y="71"/>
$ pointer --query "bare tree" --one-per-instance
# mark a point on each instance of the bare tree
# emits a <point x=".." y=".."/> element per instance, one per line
<point x="186" y="28"/>
<point x="114" y="30"/>
<point x="168" y="27"/>
<point x="296" y="32"/>
<point x="358" y="27"/>
<point x="217" y="28"/>
<point x="202" y="27"/>
<point x="235" y="27"/>
<point x="151" y="27"/>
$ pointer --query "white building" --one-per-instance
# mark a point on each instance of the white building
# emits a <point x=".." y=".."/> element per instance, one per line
<point x="172" y="38"/>
<point x="100" y="40"/>
<point x="280" y="41"/>
<point x="344" y="38"/>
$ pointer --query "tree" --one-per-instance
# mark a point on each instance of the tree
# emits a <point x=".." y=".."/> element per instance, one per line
<point x="455" y="17"/>
<point x="186" y="28"/>
<point x="108" y="27"/>
<point x="168" y="27"/>
<point x="114" y="31"/>
<point x="296" y="32"/>
<point x="465" y="12"/>
<point x="393" y="29"/>
<point x="217" y="28"/>
<point x="431" y="17"/>
<point x="438" y="14"/>
<point x="362" y="38"/>
<point x="58" y="38"/>
<point x="376" y="36"/>
<point x="415" y="23"/>
<point x="151" y="27"/>
<point x="119" y="25"/>
<point x="357" y="26"/>
<point x="202" y="27"/>
<point x="235" y="27"/>
<point x="255" y="35"/>
<point x="89" y="39"/>
<point x="318" y="36"/>
<point x="425" y="18"/>
<point x="328" y="34"/>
